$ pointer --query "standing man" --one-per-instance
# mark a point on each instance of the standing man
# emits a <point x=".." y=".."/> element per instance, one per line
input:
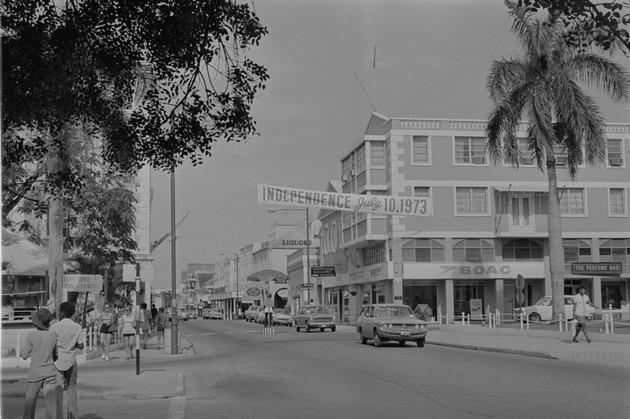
<point x="69" y="338"/>
<point x="580" y="301"/>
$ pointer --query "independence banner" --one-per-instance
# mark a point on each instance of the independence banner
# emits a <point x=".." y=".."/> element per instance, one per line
<point x="372" y="204"/>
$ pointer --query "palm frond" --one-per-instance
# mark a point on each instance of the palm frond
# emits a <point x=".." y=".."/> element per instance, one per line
<point x="504" y="76"/>
<point x="606" y="75"/>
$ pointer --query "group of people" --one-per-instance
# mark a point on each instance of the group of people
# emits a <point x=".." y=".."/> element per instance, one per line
<point x="52" y="346"/>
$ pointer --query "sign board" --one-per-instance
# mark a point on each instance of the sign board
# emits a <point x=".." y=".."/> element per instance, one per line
<point x="319" y="271"/>
<point x="476" y="309"/>
<point x="309" y="285"/>
<point x="82" y="283"/>
<point x="253" y="292"/>
<point x="520" y="282"/>
<point x="371" y="204"/>
<point x="596" y="268"/>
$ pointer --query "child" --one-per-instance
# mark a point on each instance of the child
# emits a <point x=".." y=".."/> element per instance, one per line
<point x="41" y="346"/>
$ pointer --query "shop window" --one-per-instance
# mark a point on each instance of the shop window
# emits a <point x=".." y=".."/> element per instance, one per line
<point x="473" y="250"/>
<point x="576" y="250"/>
<point x="615" y="250"/>
<point x="522" y="249"/>
<point x="463" y="293"/>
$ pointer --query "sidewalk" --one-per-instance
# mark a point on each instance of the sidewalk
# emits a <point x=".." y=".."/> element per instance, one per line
<point x="115" y="379"/>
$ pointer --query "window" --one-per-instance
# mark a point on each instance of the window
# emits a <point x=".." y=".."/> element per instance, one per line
<point x="614" y="152"/>
<point x="377" y="154"/>
<point x="576" y="250"/>
<point x="473" y="250"/>
<point x="471" y="201"/>
<point x="615" y="250"/>
<point x="469" y="150"/>
<point x="373" y="255"/>
<point x="522" y="249"/>
<point x="421" y="192"/>
<point x="420" y="149"/>
<point x="617" y="201"/>
<point x="423" y="250"/>
<point x="560" y="154"/>
<point x="346" y="166"/>
<point x="527" y="157"/>
<point x="572" y="201"/>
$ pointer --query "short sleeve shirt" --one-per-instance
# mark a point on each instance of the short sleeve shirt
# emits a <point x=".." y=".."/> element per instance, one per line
<point x="69" y="334"/>
<point x="581" y="302"/>
<point x="41" y="346"/>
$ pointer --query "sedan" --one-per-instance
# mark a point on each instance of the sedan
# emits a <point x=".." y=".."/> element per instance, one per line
<point x="280" y="317"/>
<point x="215" y="314"/>
<point x="315" y="317"/>
<point x="390" y="322"/>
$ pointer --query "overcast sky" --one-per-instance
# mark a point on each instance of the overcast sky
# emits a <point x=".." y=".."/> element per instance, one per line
<point x="432" y="59"/>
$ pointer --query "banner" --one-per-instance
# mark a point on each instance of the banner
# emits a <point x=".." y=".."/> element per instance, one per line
<point x="372" y="204"/>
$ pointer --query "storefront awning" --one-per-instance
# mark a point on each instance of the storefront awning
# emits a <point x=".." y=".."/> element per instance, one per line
<point x="267" y="275"/>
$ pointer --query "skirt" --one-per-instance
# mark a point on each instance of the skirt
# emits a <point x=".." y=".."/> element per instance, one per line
<point x="581" y="319"/>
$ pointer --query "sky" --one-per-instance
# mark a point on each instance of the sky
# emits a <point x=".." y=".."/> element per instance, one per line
<point x="432" y="60"/>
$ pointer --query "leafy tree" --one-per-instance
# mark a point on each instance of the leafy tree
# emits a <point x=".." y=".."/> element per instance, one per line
<point x="603" y="24"/>
<point x="159" y="82"/>
<point x="542" y="88"/>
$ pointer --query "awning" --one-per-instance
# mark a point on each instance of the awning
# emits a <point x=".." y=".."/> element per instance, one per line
<point x="23" y="256"/>
<point x="267" y="275"/>
<point x="283" y="293"/>
<point x="529" y="188"/>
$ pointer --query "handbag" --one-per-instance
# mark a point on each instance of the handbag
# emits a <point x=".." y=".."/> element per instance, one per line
<point x="114" y="326"/>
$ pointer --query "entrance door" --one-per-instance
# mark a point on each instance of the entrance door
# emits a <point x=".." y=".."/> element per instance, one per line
<point x="521" y="214"/>
<point x="508" y="299"/>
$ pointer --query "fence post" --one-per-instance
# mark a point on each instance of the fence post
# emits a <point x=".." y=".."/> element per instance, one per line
<point x="463" y="319"/>
<point x="18" y="344"/>
<point x="439" y="315"/>
<point x="521" y="320"/>
<point x="560" y="321"/>
<point x="497" y="318"/>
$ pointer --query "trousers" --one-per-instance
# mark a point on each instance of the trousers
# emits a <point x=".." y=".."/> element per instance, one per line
<point x="49" y="385"/>
<point x="67" y="379"/>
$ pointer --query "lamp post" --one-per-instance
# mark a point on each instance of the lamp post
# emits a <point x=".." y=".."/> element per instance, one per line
<point x="174" y="323"/>
<point x="235" y="254"/>
<point x="308" y="248"/>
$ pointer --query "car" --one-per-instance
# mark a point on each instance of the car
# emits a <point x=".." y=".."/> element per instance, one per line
<point x="390" y="322"/>
<point x="182" y="314"/>
<point x="215" y="314"/>
<point x="542" y="310"/>
<point x="315" y="317"/>
<point x="260" y="317"/>
<point x="251" y="313"/>
<point x="280" y="317"/>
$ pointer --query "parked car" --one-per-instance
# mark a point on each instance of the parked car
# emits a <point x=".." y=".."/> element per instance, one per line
<point x="390" y="322"/>
<point x="280" y="317"/>
<point x="215" y="314"/>
<point x="182" y="314"/>
<point x="251" y="313"/>
<point x="542" y="310"/>
<point x="315" y="317"/>
<point x="260" y="317"/>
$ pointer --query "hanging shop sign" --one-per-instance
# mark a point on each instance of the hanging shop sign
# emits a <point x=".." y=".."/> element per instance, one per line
<point x="253" y="292"/>
<point x="372" y="204"/>
<point x="82" y="283"/>
<point x="596" y="268"/>
<point x="319" y="271"/>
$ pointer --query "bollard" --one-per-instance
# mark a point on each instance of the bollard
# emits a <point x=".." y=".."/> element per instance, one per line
<point x="521" y="320"/>
<point x="560" y="321"/>
<point x="18" y="344"/>
<point x="606" y="323"/>
<point x="498" y="318"/>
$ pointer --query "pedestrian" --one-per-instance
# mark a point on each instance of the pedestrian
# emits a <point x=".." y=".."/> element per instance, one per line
<point x="145" y="324"/>
<point x="154" y="314"/>
<point x="161" y="321"/>
<point x="41" y="346"/>
<point x="69" y="338"/>
<point x="108" y="326"/>
<point x="126" y="330"/>
<point x="580" y="301"/>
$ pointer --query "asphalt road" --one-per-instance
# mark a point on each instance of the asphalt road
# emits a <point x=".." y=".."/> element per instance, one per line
<point x="242" y="373"/>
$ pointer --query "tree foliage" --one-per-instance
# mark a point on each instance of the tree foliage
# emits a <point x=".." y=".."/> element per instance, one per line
<point x="604" y="24"/>
<point x="160" y="80"/>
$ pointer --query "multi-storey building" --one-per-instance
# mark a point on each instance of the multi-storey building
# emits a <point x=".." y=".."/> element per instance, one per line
<point x="488" y="225"/>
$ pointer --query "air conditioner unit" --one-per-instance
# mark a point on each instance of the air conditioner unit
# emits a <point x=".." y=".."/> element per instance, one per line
<point x="479" y="160"/>
<point x="615" y="162"/>
<point x="352" y="173"/>
<point x="345" y="178"/>
<point x="561" y="161"/>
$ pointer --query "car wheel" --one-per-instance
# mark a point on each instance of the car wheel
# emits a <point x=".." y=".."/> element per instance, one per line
<point x="420" y="343"/>
<point x="297" y="328"/>
<point x="534" y="317"/>
<point x="321" y="329"/>
<point x="332" y="329"/>
<point x="377" y="340"/>
<point x="363" y="338"/>
<point x="401" y="343"/>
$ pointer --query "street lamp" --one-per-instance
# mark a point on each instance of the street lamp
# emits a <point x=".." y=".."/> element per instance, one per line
<point x="234" y="254"/>
<point x="308" y="249"/>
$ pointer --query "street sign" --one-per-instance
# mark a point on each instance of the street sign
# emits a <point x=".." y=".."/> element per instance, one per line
<point x="319" y="271"/>
<point x="520" y="282"/>
<point x="253" y="292"/>
<point x="82" y="283"/>
<point x="309" y="285"/>
<point x="596" y="268"/>
<point x="520" y="297"/>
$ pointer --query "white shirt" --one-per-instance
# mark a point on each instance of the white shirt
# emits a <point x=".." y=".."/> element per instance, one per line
<point x="68" y="334"/>
<point x="581" y="303"/>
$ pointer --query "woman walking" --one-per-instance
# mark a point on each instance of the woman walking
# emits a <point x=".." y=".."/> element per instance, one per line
<point x="126" y="329"/>
<point x="107" y="320"/>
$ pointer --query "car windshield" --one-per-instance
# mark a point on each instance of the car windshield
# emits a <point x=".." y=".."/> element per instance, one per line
<point x="278" y="310"/>
<point x="399" y="311"/>
<point x="316" y="310"/>
<point x="545" y="301"/>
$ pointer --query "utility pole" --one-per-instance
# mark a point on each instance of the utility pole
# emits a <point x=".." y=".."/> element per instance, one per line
<point x="174" y="323"/>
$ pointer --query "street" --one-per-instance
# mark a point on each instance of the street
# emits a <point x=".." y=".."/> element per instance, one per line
<point x="239" y="372"/>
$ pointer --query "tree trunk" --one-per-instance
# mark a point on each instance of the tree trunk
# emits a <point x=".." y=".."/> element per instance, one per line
<point x="556" y="250"/>
<point x="55" y="250"/>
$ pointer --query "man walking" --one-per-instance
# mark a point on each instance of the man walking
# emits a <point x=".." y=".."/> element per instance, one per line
<point x="580" y="301"/>
<point x="69" y="338"/>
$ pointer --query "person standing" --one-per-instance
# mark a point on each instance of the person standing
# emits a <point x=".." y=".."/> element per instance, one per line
<point x="161" y="321"/>
<point x="41" y="346"/>
<point x="580" y="301"/>
<point x="145" y="324"/>
<point x="126" y="329"/>
<point x="106" y="320"/>
<point x="69" y="338"/>
<point x="154" y="314"/>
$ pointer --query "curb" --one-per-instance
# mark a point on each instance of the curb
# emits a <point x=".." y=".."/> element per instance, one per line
<point x="532" y="354"/>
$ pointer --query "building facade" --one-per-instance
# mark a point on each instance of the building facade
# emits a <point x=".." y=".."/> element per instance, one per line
<point x="488" y="224"/>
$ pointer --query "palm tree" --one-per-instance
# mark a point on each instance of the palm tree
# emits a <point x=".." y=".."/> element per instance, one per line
<point x="541" y="87"/>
